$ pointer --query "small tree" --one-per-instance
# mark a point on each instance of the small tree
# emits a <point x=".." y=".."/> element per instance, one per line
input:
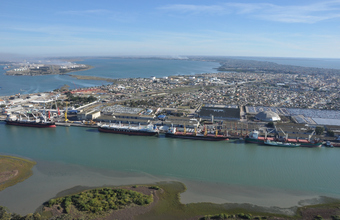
<point x="318" y="217"/>
<point x="270" y="124"/>
<point x="330" y="133"/>
<point x="319" y="130"/>
<point x="4" y="213"/>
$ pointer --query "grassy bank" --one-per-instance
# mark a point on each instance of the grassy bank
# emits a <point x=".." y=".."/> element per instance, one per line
<point x="170" y="207"/>
<point x="162" y="201"/>
<point x="14" y="170"/>
<point x="101" y="203"/>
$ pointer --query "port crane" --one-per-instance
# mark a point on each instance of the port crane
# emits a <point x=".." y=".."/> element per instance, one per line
<point x="310" y="136"/>
<point x="65" y="113"/>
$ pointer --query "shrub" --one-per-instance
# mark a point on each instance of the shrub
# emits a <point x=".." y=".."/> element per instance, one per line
<point x="335" y="217"/>
<point x="227" y="216"/>
<point x="319" y="130"/>
<point x="98" y="200"/>
<point x="148" y="200"/>
<point x="244" y="216"/>
<point x="330" y="133"/>
<point x="318" y="217"/>
<point x="51" y="202"/>
<point x="154" y="187"/>
<point x="68" y="209"/>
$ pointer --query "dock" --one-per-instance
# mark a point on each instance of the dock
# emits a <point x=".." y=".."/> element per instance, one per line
<point x="65" y="124"/>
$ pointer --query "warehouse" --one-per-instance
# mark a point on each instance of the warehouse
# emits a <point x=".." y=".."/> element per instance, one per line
<point x="220" y="112"/>
<point x="268" y="116"/>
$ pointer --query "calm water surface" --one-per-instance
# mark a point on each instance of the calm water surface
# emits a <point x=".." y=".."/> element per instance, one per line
<point x="304" y="170"/>
<point x="107" y="68"/>
<point x="144" y="68"/>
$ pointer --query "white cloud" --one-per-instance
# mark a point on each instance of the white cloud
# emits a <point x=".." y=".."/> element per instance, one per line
<point x="311" y="13"/>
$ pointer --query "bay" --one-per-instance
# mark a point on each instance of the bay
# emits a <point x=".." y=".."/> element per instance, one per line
<point x="216" y="172"/>
<point x="107" y="68"/>
<point x="145" y="68"/>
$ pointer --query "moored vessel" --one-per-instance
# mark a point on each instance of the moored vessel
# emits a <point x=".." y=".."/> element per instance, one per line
<point x="173" y="133"/>
<point x="280" y="144"/>
<point x="254" y="137"/>
<point x="148" y="130"/>
<point x="38" y="122"/>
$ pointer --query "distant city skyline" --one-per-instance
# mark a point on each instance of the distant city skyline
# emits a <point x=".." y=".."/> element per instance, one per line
<point x="309" y="29"/>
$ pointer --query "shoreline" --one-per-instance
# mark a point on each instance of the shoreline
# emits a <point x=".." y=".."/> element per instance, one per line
<point x="68" y="179"/>
<point x="14" y="170"/>
<point x="9" y="72"/>
<point x="167" y="202"/>
<point x="81" y="77"/>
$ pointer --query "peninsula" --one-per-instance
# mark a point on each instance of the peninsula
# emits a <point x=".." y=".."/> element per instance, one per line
<point x="26" y="69"/>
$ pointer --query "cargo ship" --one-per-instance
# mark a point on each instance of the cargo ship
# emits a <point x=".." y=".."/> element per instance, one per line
<point x="38" y="122"/>
<point x="173" y="133"/>
<point x="148" y="130"/>
<point x="254" y="137"/>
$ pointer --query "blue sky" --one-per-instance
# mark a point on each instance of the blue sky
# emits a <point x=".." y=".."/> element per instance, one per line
<point x="225" y="28"/>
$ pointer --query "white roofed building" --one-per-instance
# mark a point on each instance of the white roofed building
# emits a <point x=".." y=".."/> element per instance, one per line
<point x="268" y="116"/>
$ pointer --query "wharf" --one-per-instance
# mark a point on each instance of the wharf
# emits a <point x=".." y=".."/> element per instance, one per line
<point x="235" y="137"/>
<point x="75" y="125"/>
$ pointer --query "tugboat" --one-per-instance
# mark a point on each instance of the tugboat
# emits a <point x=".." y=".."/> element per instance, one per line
<point x="39" y="122"/>
<point x="148" y="130"/>
<point x="329" y="144"/>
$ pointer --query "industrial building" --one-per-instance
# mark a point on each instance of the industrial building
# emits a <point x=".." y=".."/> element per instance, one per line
<point x="88" y="115"/>
<point x="220" y="112"/>
<point x="268" y="116"/>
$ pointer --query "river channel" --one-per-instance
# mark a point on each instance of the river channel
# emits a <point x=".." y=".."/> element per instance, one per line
<point x="229" y="171"/>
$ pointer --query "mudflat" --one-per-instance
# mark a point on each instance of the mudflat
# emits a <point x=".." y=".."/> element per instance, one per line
<point x="14" y="170"/>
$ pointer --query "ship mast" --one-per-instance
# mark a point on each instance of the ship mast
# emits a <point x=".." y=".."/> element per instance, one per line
<point x="44" y="116"/>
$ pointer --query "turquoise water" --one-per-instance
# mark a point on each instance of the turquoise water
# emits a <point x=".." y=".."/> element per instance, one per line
<point x="303" y="169"/>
